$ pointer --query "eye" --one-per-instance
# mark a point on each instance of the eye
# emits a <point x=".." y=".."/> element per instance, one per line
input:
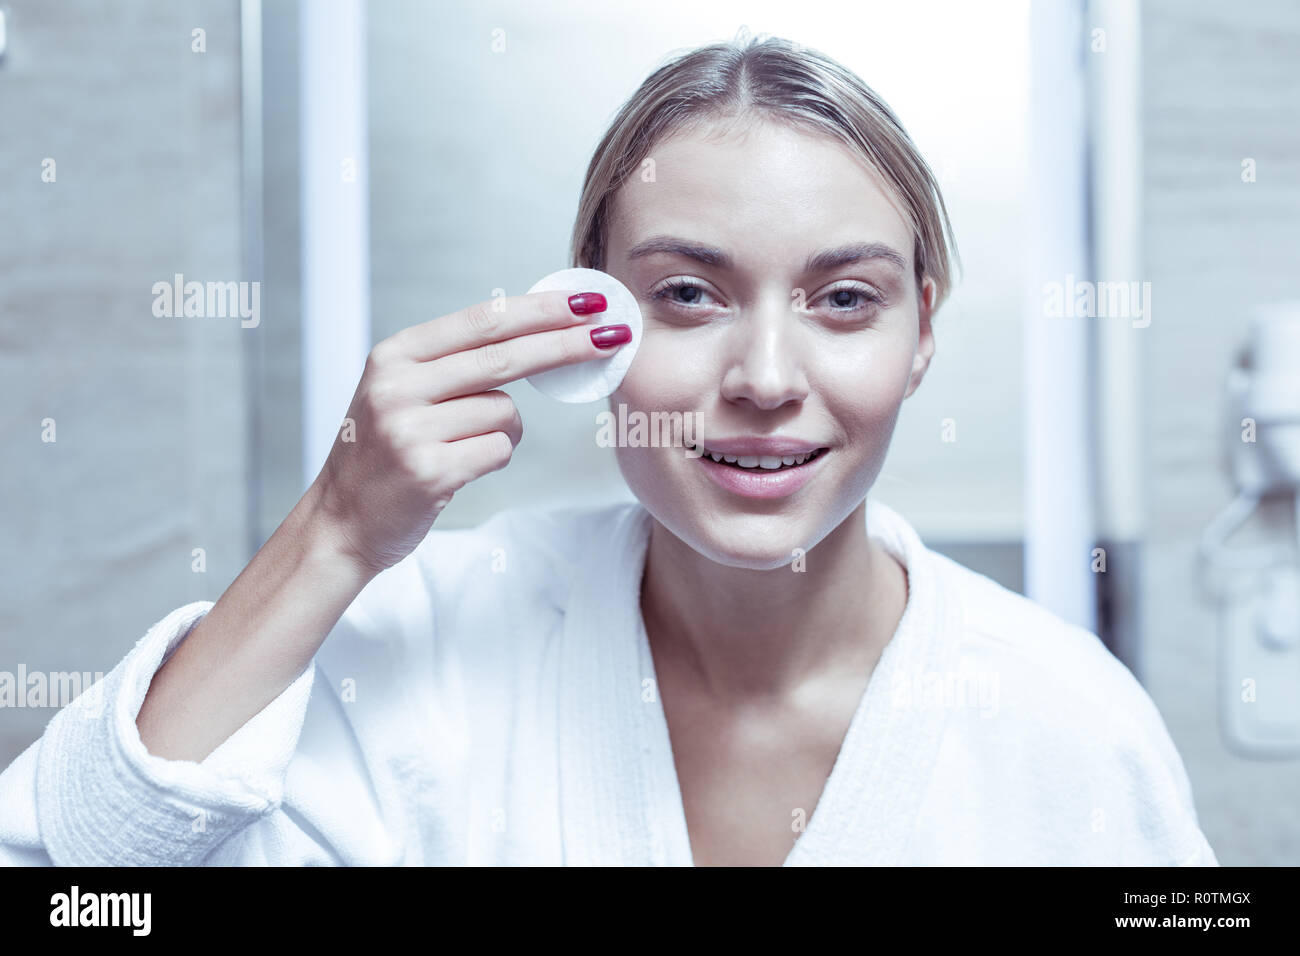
<point x="854" y="298"/>
<point x="681" y="292"/>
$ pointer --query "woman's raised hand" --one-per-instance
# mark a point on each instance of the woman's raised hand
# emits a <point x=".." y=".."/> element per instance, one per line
<point x="429" y="416"/>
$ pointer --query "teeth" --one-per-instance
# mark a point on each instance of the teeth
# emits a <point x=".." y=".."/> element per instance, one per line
<point x="769" y="462"/>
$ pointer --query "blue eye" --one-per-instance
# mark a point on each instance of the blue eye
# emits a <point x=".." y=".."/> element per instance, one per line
<point x="853" y="298"/>
<point x="688" y="295"/>
<point x="692" y="292"/>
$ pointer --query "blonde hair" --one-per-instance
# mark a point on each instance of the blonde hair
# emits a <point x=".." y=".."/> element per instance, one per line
<point x="769" y="78"/>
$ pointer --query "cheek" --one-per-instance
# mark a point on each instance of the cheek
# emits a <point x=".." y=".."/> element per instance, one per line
<point x="862" y="392"/>
<point x="666" y="375"/>
<point x="871" y="371"/>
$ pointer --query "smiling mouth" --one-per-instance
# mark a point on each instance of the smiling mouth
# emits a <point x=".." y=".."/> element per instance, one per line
<point x="761" y="463"/>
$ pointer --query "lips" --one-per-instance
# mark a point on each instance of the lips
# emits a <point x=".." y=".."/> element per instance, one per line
<point x="758" y="477"/>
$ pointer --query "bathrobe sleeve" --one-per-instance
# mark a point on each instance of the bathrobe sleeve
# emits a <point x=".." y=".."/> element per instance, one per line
<point x="87" y="792"/>
<point x="363" y="760"/>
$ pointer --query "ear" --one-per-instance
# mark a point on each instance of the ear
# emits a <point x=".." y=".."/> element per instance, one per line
<point x="925" y="339"/>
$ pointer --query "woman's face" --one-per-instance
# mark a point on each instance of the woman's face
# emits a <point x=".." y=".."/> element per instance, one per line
<point x="775" y="276"/>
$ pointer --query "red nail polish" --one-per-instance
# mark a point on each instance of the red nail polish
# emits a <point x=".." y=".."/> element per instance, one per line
<point x="585" y="303"/>
<point x="611" y="336"/>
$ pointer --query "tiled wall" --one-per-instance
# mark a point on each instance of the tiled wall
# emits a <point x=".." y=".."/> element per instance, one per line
<point x="1221" y="82"/>
<point x="149" y="458"/>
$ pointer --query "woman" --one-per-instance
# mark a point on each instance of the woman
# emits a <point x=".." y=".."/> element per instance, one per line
<point x="752" y="664"/>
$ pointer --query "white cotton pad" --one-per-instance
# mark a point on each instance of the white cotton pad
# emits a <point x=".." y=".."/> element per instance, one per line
<point x="598" y="377"/>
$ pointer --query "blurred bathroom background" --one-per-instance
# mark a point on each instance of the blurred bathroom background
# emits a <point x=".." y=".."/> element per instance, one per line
<point x="373" y="166"/>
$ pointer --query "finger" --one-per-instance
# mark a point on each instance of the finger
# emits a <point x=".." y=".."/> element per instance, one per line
<point x="493" y="321"/>
<point x="471" y="415"/>
<point x="493" y="365"/>
<point x="471" y="457"/>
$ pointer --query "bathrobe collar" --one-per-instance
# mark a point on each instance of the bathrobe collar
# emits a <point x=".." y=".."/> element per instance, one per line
<point x="619" y="795"/>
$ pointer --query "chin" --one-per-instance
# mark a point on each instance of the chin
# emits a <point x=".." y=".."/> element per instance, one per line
<point x="748" y="540"/>
<point x="752" y="556"/>
<point x="753" y="534"/>
<point x="725" y="550"/>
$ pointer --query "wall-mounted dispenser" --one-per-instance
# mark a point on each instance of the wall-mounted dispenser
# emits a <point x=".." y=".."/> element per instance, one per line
<point x="1258" y="586"/>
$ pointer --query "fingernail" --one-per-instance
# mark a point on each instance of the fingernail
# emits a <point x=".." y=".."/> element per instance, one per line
<point x="611" y="336"/>
<point x="585" y="303"/>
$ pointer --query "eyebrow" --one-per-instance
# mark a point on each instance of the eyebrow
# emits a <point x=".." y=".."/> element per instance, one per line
<point x="670" y="245"/>
<point x="817" y="262"/>
<point x="854" y="252"/>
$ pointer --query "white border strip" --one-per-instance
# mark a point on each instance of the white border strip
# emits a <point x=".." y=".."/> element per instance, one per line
<point x="335" y="217"/>
<point x="1058" y="462"/>
<point x="1115" y="81"/>
<point x="251" y="188"/>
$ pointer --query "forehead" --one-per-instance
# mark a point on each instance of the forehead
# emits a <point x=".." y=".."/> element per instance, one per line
<point x="759" y="185"/>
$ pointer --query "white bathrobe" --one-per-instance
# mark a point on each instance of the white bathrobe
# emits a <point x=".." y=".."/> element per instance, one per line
<point x="492" y="700"/>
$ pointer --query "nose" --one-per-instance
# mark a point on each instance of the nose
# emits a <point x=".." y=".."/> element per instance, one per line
<point x="765" y="361"/>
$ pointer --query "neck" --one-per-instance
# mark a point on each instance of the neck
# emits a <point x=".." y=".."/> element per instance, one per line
<point x="741" y="633"/>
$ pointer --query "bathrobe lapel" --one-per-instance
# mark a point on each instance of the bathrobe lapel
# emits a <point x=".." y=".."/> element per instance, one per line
<point x="606" y="778"/>
<point x="875" y="788"/>
<point x="620" y="799"/>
